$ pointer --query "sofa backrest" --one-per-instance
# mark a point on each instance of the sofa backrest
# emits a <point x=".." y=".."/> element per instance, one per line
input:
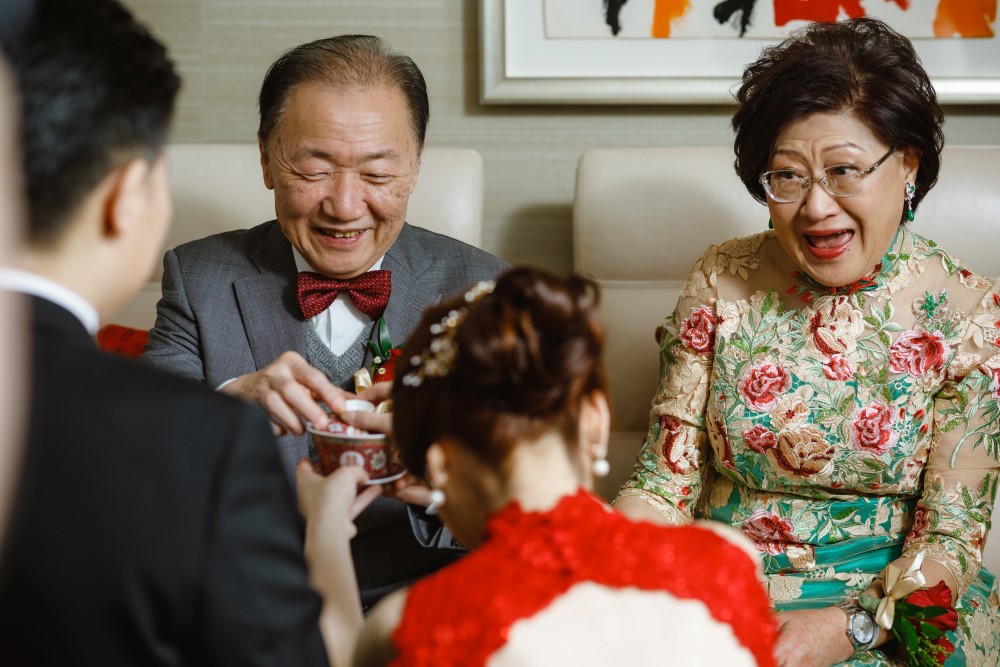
<point x="219" y="187"/>
<point x="642" y="216"/>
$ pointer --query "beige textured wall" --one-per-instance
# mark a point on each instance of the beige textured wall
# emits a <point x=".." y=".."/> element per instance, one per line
<point x="224" y="47"/>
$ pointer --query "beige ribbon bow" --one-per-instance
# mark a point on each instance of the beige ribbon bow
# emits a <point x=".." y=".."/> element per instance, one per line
<point x="896" y="585"/>
<point x="363" y="380"/>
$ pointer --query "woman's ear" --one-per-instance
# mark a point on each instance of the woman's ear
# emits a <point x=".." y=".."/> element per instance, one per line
<point x="911" y="163"/>
<point x="437" y="465"/>
<point x="595" y="424"/>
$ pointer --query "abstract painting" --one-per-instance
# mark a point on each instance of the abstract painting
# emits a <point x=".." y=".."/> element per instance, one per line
<point x="760" y="19"/>
<point x="694" y="51"/>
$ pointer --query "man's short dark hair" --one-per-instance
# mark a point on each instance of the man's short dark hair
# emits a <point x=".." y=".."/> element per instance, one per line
<point x="860" y="66"/>
<point x="344" y="61"/>
<point x="97" y="90"/>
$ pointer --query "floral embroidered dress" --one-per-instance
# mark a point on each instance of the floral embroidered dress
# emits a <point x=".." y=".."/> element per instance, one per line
<point x="838" y="429"/>
<point x="582" y="585"/>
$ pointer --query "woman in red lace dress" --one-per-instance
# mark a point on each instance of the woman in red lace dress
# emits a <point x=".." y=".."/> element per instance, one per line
<point x="500" y="404"/>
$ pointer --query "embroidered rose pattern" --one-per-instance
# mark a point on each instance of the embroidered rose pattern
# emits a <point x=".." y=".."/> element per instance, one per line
<point x="858" y="388"/>
<point x="759" y="438"/>
<point x="789" y="412"/>
<point x="834" y="327"/>
<point x="678" y="446"/>
<point x="803" y="451"/>
<point x="920" y="525"/>
<point x="698" y="330"/>
<point x="917" y="353"/>
<point x="993" y="373"/>
<point x="761" y="385"/>
<point x="770" y="532"/>
<point x="872" y="429"/>
<point x="838" y="368"/>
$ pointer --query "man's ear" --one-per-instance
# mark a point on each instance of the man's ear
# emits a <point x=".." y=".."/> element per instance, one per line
<point x="265" y="163"/>
<point x="126" y="195"/>
<point x="415" y="174"/>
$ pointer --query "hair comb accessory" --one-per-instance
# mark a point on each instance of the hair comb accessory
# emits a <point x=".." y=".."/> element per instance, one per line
<point x="439" y="357"/>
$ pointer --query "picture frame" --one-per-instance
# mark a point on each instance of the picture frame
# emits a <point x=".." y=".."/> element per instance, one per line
<point x="520" y="66"/>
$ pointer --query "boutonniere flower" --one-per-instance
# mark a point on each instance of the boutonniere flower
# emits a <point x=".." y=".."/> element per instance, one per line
<point x="384" y="357"/>
<point x="383" y="367"/>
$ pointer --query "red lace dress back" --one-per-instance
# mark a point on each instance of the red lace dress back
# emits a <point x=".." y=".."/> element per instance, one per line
<point x="582" y="585"/>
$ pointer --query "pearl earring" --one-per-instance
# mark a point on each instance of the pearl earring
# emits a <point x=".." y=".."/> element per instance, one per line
<point x="601" y="467"/>
<point x="437" y="500"/>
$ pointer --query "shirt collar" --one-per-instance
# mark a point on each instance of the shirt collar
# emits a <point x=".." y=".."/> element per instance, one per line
<point x="302" y="265"/>
<point x="25" y="282"/>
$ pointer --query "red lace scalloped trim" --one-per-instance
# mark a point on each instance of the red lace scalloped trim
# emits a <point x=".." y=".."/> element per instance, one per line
<point x="530" y="558"/>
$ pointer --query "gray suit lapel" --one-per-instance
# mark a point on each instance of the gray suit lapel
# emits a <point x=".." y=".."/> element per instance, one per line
<point x="268" y="305"/>
<point x="408" y="260"/>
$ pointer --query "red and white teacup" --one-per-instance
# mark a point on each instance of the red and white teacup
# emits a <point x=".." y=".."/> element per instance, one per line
<point x="340" y="444"/>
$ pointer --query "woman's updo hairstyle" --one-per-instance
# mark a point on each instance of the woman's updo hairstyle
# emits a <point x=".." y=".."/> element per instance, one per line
<point x="526" y="357"/>
<point x="861" y="66"/>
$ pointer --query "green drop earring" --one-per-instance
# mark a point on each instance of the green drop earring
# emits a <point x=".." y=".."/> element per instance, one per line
<point x="909" y="190"/>
<point x="770" y="223"/>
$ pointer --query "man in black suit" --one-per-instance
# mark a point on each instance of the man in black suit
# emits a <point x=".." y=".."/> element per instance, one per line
<point x="152" y="523"/>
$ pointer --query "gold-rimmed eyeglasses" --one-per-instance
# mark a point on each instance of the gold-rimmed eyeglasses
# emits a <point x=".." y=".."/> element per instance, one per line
<point x="843" y="180"/>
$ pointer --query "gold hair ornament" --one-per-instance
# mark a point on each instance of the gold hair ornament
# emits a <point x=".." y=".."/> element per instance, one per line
<point x="439" y="357"/>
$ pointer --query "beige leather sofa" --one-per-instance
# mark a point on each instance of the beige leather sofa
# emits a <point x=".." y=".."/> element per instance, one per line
<point x="642" y="216"/>
<point x="219" y="187"/>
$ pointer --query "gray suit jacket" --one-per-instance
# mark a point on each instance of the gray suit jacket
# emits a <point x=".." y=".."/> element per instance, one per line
<point x="229" y="308"/>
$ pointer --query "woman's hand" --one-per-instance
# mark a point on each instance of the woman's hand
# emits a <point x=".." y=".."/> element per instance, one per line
<point x="330" y="504"/>
<point x="812" y="638"/>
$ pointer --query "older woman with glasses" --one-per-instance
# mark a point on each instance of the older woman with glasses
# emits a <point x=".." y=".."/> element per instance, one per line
<point x="830" y="387"/>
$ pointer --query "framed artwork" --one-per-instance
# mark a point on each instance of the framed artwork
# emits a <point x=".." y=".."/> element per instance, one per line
<point x="694" y="51"/>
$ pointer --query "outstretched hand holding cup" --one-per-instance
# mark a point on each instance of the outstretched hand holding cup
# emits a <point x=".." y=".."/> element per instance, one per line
<point x="344" y="443"/>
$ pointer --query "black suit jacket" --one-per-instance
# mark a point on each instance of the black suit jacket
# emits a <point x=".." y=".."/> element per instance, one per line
<point x="152" y="525"/>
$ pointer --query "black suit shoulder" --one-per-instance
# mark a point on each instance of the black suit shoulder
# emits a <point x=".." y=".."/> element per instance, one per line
<point x="152" y="525"/>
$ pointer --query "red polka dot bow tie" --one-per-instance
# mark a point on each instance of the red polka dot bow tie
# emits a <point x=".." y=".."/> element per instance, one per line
<point x="369" y="292"/>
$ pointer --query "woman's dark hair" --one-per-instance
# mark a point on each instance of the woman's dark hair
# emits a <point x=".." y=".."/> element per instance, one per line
<point x="861" y="66"/>
<point x="527" y="355"/>
<point x="343" y="61"/>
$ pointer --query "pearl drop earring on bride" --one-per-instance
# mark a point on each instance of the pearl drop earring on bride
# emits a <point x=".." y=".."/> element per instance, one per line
<point x="601" y="467"/>
<point x="437" y="500"/>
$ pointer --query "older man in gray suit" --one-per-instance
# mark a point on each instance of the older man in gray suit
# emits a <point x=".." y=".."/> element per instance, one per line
<point x="281" y="314"/>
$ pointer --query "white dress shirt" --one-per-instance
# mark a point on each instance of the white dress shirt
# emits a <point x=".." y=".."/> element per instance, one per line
<point x="339" y="325"/>
<point x="25" y="282"/>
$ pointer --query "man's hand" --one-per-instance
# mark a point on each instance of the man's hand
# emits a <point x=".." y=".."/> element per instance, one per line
<point x="411" y="489"/>
<point x="290" y="390"/>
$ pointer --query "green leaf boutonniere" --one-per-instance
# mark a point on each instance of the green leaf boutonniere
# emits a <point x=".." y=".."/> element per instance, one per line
<point x="383" y="368"/>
